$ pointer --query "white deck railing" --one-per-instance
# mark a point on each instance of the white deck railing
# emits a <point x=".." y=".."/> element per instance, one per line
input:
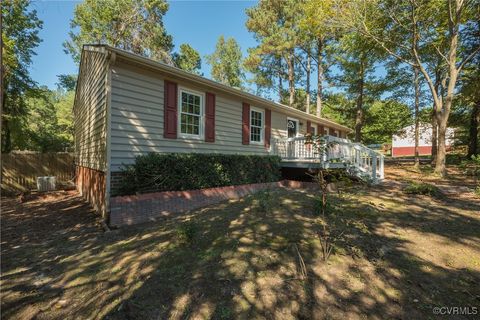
<point x="355" y="157"/>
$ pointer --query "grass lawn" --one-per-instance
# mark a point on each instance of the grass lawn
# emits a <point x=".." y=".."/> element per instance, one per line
<point x="398" y="256"/>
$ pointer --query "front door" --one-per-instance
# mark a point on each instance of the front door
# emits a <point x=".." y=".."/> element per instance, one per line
<point x="292" y="128"/>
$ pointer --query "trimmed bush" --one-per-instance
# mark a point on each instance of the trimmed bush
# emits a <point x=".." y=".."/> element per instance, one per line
<point x="189" y="171"/>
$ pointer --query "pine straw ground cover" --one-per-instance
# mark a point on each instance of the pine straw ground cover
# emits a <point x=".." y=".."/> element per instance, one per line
<point x="399" y="256"/>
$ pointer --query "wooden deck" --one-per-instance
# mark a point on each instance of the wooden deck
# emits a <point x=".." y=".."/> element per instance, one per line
<point x="337" y="153"/>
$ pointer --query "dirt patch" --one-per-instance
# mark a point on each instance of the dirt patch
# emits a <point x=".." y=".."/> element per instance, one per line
<point x="456" y="176"/>
<point x="399" y="257"/>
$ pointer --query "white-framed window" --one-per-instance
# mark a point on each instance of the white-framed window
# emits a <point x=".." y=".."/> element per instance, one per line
<point x="256" y="125"/>
<point x="190" y="113"/>
<point x="313" y="130"/>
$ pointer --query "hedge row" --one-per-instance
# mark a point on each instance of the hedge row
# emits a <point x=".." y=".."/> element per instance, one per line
<point x="189" y="171"/>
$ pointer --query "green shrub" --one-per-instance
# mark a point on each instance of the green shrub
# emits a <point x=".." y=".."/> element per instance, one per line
<point x="189" y="171"/>
<point x="477" y="191"/>
<point x="186" y="232"/>
<point x="421" y="188"/>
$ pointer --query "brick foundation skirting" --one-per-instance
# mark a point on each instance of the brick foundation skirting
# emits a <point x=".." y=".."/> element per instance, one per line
<point x="127" y="210"/>
<point x="91" y="185"/>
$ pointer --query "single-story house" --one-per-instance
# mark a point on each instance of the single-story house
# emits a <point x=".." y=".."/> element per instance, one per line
<point x="127" y="105"/>
<point x="403" y="142"/>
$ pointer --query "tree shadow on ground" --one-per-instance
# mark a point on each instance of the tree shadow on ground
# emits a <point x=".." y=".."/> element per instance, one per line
<point x="398" y="257"/>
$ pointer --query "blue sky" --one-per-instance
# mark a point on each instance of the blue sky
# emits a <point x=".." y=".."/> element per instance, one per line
<point x="198" y="23"/>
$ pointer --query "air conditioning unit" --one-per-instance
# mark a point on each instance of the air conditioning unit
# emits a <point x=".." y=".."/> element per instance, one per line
<point x="46" y="184"/>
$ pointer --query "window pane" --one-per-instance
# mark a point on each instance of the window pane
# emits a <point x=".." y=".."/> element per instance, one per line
<point x="256" y="119"/>
<point x="184" y="107"/>
<point x="256" y="126"/>
<point x="190" y="114"/>
<point x="255" y="134"/>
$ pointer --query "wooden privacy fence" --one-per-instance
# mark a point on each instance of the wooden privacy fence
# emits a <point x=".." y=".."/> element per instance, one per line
<point x="21" y="169"/>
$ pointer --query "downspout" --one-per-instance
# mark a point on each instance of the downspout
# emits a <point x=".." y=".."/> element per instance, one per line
<point x="108" y="88"/>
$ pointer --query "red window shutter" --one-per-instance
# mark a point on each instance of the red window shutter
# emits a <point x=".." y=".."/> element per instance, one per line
<point x="246" y="123"/>
<point x="268" y="127"/>
<point x="170" y="110"/>
<point x="309" y="126"/>
<point x="320" y="130"/>
<point x="210" y="117"/>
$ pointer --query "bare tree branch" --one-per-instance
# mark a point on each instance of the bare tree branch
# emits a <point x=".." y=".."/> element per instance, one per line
<point x="468" y="58"/>
<point x="441" y="54"/>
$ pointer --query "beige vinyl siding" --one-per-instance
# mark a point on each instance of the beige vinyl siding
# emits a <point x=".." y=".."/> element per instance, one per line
<point x="90" y="121"/>
<point x="137" y="119"/>
<point x="279" y="125"/>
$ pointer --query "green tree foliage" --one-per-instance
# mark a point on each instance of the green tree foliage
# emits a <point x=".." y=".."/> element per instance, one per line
<point x="356" y="61"/>
<point x="20" y="37"/>
<point x="316" y="26"/>
<point x="438" y="28"/>
<point x="226" y="62"/>
<point x="275" y="26"/>
<point x="468" y="103"/>
<point x="268" y="72"/>
<point x="337" y="107"/>
<point x="63" y="106"/>
<point x="188" y="59"/>
<point x="49" y="121"/>
<point x="300" y="101"/>
<point x="67" y="82"/>
<point x="383" y="119"/>
<point x="132" y="25"/>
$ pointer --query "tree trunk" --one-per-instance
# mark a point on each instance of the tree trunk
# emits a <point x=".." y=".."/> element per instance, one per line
<point x="291" y="80"/>
<point x="359" y="107"/>
<point x="473" y="130"/>
<point x="2" y="74"/>
<point x="6" y="137"/>
<point x="436" y="88"/>
<point x="319" y="76"/>
<point x="280" y="80"/>
<point x="434" y="137"/>
<point x="6" y="141"/>
<point x="417" y="120"/>
<point x="440" y="167"/>
<point x="443" y="107"/>
<point x="307" y="89"/>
